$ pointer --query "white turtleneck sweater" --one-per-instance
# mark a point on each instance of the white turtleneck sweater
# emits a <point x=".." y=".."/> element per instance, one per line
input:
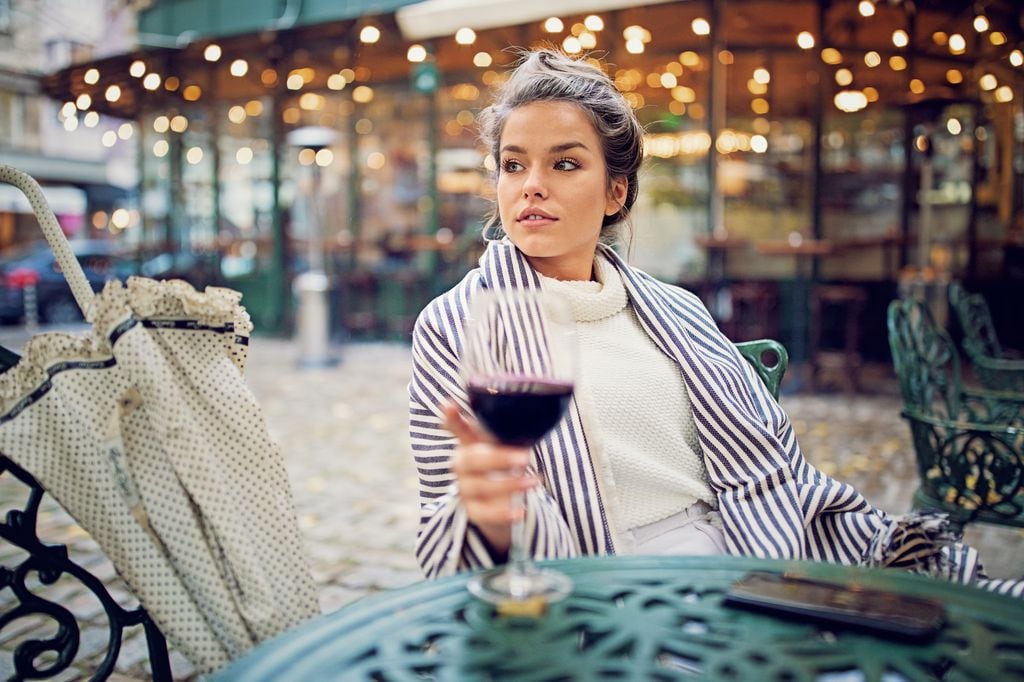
<point x="640" y="403"/>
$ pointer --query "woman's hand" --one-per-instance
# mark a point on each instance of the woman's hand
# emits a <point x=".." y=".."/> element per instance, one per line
<point x="489" y="475"/>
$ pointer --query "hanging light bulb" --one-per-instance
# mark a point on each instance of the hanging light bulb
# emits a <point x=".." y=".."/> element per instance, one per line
<point x="866" y="8"/>
<point x="700" y="26"/>
<point x="805" y="40"/>
<point x="850" y="100"/>
<point x="212" y="52"/>
<point x="900" y="38"/>
<point x="369" y="34"/>
<point x="416" y="53"/>
<point x="465" y="36"/>
<point x="981" y="23"/>
<point x="1017" y="58"/>
<point x="957" y="44"/>
<point x="553" y="25"/>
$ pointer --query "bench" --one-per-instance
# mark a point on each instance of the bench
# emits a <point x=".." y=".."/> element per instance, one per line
<point x="969" y="444"/>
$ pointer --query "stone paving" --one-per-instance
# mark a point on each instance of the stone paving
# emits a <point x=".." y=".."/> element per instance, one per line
<point x="342" y="431"/>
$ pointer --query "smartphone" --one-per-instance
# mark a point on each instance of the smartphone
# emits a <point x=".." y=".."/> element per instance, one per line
<point x="842" y="605"/>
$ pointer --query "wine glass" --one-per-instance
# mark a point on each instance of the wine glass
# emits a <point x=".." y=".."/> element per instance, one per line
<point x="519" y="365"/>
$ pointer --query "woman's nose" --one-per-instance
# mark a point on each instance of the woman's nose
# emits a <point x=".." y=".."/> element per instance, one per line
<point x="534" y="185"/>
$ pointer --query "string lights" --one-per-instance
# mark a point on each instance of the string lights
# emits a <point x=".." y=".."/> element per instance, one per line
<point x="972" y="44"/>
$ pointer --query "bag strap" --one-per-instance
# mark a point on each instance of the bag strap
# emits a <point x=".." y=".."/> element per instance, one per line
<point x="69" y="265"/>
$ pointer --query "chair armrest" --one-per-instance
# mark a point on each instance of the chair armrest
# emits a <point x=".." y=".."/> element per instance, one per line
<point x="967" y="427"/>
<point x="1000" y="364"/>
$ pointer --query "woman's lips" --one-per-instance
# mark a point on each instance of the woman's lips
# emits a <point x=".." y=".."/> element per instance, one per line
<point x="539" y="221"/>
<point x="532" y="217"/>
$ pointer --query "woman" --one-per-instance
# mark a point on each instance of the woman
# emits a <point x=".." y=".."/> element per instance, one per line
<point x="671" y="444"/>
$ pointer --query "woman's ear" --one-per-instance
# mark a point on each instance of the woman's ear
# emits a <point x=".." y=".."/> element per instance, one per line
<point x="616" y="200"/>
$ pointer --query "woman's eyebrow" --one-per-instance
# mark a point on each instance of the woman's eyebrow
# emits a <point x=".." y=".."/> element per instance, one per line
<point x="556" y="149"/>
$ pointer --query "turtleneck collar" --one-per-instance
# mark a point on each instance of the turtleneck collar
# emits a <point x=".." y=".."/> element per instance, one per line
<point x="590" y="300"/>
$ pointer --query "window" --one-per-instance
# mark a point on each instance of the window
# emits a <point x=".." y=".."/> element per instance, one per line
<point x="5" y="16"/>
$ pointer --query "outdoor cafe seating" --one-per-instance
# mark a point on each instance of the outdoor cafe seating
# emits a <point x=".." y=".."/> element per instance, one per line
<point x="969" y="443"/>
<point x="996" y="369"/>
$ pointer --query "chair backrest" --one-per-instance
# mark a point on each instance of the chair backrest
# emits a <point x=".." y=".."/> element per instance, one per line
<point x="980" y="339"/>
<point x="39" y="656"/>
<point x="926" y="362"/>
<point x="771" y="373"/>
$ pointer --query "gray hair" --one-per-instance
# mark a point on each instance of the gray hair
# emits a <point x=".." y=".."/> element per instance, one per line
<point x="548" y="75"/>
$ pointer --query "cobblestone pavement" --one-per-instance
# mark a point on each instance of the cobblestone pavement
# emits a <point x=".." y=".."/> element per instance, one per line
<point x="342" y="431"/>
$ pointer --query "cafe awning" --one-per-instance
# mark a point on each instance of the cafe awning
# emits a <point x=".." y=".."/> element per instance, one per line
<point x="434" y="18"/>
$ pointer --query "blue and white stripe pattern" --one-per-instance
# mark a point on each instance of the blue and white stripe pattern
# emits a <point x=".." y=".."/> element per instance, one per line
<point x="772" y="502"/>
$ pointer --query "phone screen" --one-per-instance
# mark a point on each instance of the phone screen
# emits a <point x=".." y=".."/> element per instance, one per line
<point x="838" y="604"/>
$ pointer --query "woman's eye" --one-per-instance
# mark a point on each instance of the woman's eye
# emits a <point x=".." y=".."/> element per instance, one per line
<point x="511" y="166"/>
<point x="566" y="165"/>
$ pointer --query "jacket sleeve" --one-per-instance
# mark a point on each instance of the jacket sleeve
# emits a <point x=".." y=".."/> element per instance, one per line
<point x="842" y="527"/>
<point x="446" y="541"/>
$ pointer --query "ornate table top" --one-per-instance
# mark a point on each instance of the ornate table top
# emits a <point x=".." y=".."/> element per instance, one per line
<point x="639" y="618"/>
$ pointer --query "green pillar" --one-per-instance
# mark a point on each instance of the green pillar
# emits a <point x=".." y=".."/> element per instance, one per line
<point x="215" y="131"/>
<point x="433" y="194"/>
<point x="354" y="199"/>
<point x="277" y="289"/>
<point x="174" y="225"/>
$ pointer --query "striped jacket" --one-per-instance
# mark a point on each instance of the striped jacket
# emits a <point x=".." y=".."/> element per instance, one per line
<point x="772" y="502"/>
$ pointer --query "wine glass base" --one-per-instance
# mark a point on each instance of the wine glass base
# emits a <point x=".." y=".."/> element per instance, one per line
<point x="537" y="585"/>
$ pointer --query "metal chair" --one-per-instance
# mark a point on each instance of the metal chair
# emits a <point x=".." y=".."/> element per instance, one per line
<point x="44" y="657"/>
<point x="994" y="369"/>
<point x="969" y="444"/>
<point x="771" y="372"/>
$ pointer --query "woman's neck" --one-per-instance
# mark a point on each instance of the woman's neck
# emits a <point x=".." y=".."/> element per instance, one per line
<point x="565" y="268"/>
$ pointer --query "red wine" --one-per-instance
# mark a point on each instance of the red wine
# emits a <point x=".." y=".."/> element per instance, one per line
<point x="519" y="410"/>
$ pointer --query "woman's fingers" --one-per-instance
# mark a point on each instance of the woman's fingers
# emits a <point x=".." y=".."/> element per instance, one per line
<point x="494" y="486"/>
<point x="491" y="476"/>
<point x="495" y="514"/>
<point x="483" y="459"/>
<point x="462" y="429"/>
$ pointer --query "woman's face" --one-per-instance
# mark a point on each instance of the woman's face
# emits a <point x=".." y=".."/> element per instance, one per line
<point x="553" y="190"/>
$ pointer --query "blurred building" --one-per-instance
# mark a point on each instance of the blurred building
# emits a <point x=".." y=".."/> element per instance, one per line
<point x="790" y="143"/>
<point x="81" y="178"/>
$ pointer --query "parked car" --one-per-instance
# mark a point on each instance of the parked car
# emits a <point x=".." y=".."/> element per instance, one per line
<point x="35" y="264"/>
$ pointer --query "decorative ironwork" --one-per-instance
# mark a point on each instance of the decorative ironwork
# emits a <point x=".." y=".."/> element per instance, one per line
<point x="49" y="563"/>
<point x="969" y="444"/>
<point x="642" y="618"/>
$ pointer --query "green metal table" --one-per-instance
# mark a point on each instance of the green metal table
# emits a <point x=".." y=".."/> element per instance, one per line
<point x="654" y="618"/>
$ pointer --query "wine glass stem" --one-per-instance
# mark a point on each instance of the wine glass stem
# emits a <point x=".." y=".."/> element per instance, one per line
<point x="519" y="556"/>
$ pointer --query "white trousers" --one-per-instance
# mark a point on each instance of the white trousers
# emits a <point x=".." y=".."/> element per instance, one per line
<point x="691" y="532"/>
